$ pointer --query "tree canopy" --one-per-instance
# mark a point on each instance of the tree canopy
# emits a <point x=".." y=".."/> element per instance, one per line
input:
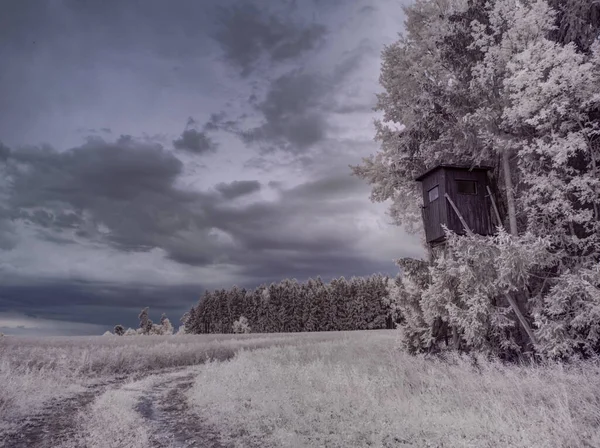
<point x="512" y="84"/>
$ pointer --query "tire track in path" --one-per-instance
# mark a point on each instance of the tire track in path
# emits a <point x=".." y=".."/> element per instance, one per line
<point x="172" y="422"/>
<point x="56" y="423"/>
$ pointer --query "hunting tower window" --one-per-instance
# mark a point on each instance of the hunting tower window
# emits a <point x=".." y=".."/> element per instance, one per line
<point x="466" y="187"/>
<point x="434" y="193"/>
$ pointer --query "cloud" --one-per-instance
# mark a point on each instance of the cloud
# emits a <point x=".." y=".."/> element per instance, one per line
<point x="123" y="195"/>
<point x="238" y="188"/>
<point x="293" y="121"/>
<point x="338" y="186"/>
<point x="126" y="186"/>
<point x="248" y="34"/>
<point x="297" y="105"/>
<point x="92" y="305"/>
<point x="4" y="152"/>
<point x="195" y="142"/>
<point x="22" y="324"/>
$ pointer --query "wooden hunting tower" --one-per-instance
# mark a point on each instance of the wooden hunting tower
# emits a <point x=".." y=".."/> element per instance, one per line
<point x="465" y="186"/>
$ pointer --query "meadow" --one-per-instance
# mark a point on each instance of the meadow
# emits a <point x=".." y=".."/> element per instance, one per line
<point x="359" y="392"/>
<point x="35" y="371"/>
<point x="331" y="389"/>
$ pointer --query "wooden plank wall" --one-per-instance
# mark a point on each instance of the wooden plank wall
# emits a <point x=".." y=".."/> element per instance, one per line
<point x="435" y="213"/>
<point x="474" y="208"/>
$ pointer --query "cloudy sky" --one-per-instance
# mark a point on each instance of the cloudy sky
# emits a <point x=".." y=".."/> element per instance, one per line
<point x="152" y="149"/>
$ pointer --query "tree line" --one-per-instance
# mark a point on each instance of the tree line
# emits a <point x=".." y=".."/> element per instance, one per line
<point x="291" y="306"/>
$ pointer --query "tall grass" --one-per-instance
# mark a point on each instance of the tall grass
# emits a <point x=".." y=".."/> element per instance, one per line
<point x="34" y="371"/>
<point x="360" y="392"/>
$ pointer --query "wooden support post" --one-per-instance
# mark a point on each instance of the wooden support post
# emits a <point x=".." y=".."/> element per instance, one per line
<point x="460" y="217"/>
<point x="524" y="324"/>
<point x="511" y="301"/>
<point x="496" y="212"/>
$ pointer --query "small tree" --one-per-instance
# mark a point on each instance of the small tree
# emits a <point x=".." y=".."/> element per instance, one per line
<point x="145" y="322"/>
<point x="167" y="328"/>
<point x="119" y="330"/>
<point x="241" y="325"/>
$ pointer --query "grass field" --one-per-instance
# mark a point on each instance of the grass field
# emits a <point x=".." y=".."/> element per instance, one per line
<point x="351" y="389"/>
<point x="34" y="371"/>
<point x="361" y="392"/>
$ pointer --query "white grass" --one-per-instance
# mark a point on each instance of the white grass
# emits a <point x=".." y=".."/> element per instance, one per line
<point x="112" y="420"/>
<point x="34" y="371"/>
<point x="351" y="389"/>
<point x="360" y="391"/>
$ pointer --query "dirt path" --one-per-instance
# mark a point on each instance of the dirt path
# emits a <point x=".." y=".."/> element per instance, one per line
<point x="165" y="409"/>
<point x="56" y="422"/>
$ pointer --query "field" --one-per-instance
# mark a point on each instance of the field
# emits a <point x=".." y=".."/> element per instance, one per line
<point x="336" y="389"/>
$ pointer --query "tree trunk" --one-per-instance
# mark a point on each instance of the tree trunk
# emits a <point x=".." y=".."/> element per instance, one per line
<point x="455" y="339"/>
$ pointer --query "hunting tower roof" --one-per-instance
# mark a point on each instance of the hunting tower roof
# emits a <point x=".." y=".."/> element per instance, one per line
<point x="454" y="167"/>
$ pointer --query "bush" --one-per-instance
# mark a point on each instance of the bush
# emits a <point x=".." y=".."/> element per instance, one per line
<point x="241" y="325"/>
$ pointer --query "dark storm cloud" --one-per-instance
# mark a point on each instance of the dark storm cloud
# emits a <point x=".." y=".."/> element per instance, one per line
<point x="106" y="26"/>
<point x="215" y="122"/>
<point x="195" y="142"/>
<point x="238" y="188"/>
<point x="296" y="106"/>
<point x="303" y="233"/>
<point x="218" y="122"/>
<point x="96" y="302"/>
<point x="248" y="34"/>
<point x="293" y="121"/>
<point x="332" y="188"/>
<point x="4" y="152"/>
<point x="8" y="238"/>
<point x="125" y="185"/>
<point x="123" y="194"/>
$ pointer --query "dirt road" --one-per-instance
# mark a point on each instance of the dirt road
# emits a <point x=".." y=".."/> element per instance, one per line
<point x="153" y="407"/>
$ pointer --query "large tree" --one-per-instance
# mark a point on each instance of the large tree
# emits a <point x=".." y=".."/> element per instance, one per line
<point x="511" y="84"/>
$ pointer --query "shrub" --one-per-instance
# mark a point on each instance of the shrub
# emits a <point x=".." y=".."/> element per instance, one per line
<point x="241" y="325"/>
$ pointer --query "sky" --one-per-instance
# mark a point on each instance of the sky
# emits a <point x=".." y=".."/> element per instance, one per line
<point x="150" y="150"/>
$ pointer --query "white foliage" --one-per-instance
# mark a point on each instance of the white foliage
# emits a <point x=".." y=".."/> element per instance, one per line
<point x="167" y="327"/>
<point x="469" y="85"/>
<point x="241" y="325"/>
<point x="569" y="321"/>
<point x="470" y="282"/>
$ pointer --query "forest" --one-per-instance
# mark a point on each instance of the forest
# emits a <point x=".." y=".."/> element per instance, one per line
<point x="290" y="306"/>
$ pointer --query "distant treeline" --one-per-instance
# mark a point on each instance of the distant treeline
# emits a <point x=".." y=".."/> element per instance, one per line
<point x="290" y="306"/>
